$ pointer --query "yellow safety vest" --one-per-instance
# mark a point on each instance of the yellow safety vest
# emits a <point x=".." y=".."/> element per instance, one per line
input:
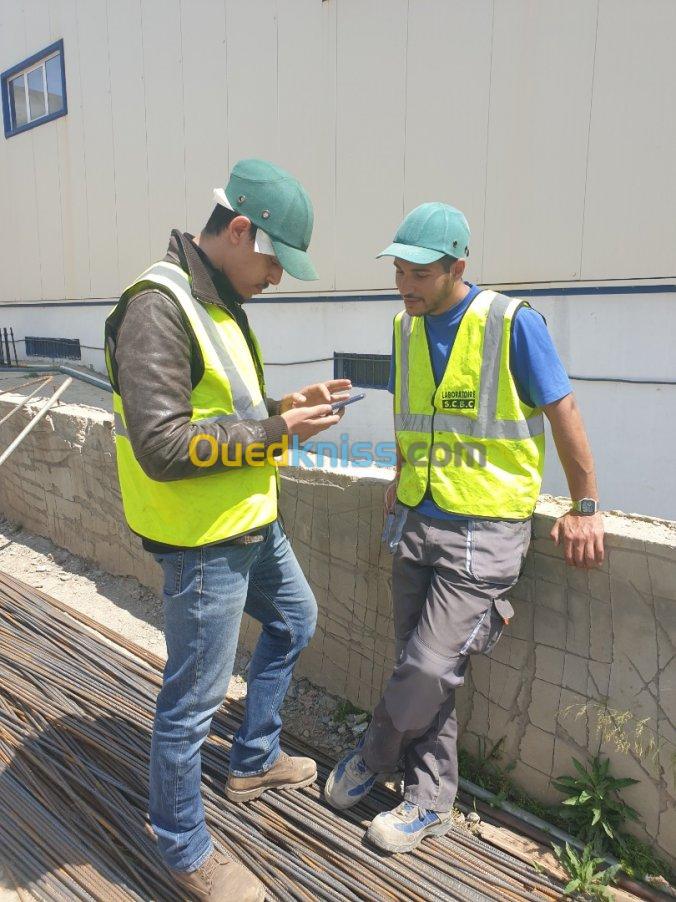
<point x="212" y="506"/>
<point x="471" y="440"/>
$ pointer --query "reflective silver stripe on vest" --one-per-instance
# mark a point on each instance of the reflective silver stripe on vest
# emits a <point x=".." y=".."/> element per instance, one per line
<point x="486" y="425"/>
<point x="445" y="422"/>
<point x="245" y="408"/>
<point x="413" y="422"/>
<point x="507" y="429"/>
<point x="404" y="344"/>
<point x="490" y="361"/>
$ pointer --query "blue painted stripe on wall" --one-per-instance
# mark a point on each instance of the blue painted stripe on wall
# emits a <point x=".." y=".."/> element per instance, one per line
<point x="590" y="291"/>
<point x="511" y="292"/>
<point x="572" y="291"/>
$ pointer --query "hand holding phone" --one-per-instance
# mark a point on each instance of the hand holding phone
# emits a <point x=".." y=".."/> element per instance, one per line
<point x="338" y="405"/>
<point x="304" y="422"/>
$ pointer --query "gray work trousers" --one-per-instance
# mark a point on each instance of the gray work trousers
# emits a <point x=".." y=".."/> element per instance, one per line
<point x="449" y="585"/>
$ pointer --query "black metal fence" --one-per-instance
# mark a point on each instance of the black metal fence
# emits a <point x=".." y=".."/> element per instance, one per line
<point x="364" y="370"/>
<point x="56" y="348"/>
<point x="36" y="346"/>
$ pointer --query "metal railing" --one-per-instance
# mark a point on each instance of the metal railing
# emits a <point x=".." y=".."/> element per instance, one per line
<point x="5" y="356"/>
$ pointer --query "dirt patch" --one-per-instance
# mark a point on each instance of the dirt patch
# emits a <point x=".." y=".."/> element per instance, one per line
<point x="120" y="603"/>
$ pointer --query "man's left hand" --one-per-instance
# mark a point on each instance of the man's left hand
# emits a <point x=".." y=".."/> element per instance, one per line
<point x="319" y="393"/>
<point x="582" y="539"/>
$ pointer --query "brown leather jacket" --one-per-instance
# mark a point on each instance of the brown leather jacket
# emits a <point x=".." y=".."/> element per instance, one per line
<point x="156" y="361"/>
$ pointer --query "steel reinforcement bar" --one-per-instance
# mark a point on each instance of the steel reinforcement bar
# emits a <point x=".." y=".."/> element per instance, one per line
<point x="76" y="712"/>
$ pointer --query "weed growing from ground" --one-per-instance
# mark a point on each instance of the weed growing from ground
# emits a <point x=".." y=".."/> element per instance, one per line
<point x="593" y="808"/>
<point x="587" y="879"/>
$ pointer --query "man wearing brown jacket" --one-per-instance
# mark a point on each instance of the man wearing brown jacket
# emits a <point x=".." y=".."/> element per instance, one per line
<point x="195" y="441"/>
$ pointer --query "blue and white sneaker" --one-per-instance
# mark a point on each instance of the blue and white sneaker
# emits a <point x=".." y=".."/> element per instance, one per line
<point x="403" y="828"/>
<point x="350" y="780"/>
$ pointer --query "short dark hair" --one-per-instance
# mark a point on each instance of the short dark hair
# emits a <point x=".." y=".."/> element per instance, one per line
<point x="220" y="219"/>
<point x="447" y="262"/>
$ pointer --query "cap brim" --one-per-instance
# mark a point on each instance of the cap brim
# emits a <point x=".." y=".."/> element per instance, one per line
<point x="412" y="254"/>
<point x="294" y="261"/>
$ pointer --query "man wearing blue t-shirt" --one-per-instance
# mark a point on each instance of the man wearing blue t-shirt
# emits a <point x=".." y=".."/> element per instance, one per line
<point x="472" y="373"/>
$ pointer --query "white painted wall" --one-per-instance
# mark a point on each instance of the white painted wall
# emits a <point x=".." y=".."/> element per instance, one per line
<point x="551" y="124"/>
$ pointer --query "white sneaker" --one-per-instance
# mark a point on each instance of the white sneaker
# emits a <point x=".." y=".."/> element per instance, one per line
<point x="350" y="780"/>
<point x="403" y="828"/>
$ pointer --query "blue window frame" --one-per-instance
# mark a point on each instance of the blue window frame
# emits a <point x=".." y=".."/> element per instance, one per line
<point x="34" y="91"/>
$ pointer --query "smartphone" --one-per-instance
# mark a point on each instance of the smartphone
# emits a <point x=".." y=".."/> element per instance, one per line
<point x="338" y="405"/>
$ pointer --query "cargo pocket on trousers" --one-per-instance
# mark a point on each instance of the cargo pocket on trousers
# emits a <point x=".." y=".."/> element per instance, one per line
<point x="496" y="550"/>
<point x="501" y="613"/>
<point x="489" y="628"/>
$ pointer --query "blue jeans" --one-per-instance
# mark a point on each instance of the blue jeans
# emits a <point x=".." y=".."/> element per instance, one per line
<point x="206" y="591"/>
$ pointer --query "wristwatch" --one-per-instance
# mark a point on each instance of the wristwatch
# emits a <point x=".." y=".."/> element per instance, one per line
<point x="586" y="506"/>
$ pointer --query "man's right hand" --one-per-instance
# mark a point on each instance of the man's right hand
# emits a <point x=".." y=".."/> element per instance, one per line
<point x="308" y="421"/>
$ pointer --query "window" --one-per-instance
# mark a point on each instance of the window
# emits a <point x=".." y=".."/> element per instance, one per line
<point x="366" y="370"/>
<point x="34" y="91"/>
<point x="56" y="348"/>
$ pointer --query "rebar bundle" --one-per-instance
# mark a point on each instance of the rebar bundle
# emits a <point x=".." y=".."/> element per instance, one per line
<point x="76" y="709"/>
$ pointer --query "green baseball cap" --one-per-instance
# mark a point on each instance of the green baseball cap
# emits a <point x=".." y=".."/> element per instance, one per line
<point x="430" y="232"/>
<point x="277" y="204"/>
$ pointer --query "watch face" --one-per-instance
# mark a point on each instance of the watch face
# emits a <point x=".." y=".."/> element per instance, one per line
<point x="587" y="506"/>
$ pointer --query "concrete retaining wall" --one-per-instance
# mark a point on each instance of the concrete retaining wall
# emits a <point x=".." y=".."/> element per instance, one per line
<point x="580" y="644"/>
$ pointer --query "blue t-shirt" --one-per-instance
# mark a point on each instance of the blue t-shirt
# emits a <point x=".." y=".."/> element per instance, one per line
<point x="534" y="362"/>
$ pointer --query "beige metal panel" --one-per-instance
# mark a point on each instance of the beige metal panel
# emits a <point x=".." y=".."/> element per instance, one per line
<point x="72" y="161"/>
<point x="25" y="279"/>
<point x="253" y="93"/>
<point x="371" y="67"/>
<point x="128" y="108"/>
<point x="205" y="95"/>
<point x="541" y="79"/>
<point x="11" y="45"/>
<point x="252" y="79"/>
<point x="92" y="21"/>
<point x="163" y="76"/>
<point x="447" y="91"/>
<point x="8" y="271"/>
<point x="47" y="176"/>
<point x="307" y="126"/>
<point x="630" y="226"/>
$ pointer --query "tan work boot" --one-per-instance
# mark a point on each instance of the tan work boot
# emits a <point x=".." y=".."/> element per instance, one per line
<point x="286" y="773"/>
<point x="220" y="879"/>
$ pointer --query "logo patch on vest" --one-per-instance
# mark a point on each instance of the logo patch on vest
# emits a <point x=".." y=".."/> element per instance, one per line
<point x="459" y="399"/>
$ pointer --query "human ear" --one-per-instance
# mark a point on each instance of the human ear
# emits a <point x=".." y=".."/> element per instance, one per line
<point x="458" y="269"/>
<point x="239" y="229"/>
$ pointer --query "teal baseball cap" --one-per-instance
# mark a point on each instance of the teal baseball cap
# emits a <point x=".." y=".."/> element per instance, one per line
<point x="430" y="232"/>
<point x="277" y="204"/>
